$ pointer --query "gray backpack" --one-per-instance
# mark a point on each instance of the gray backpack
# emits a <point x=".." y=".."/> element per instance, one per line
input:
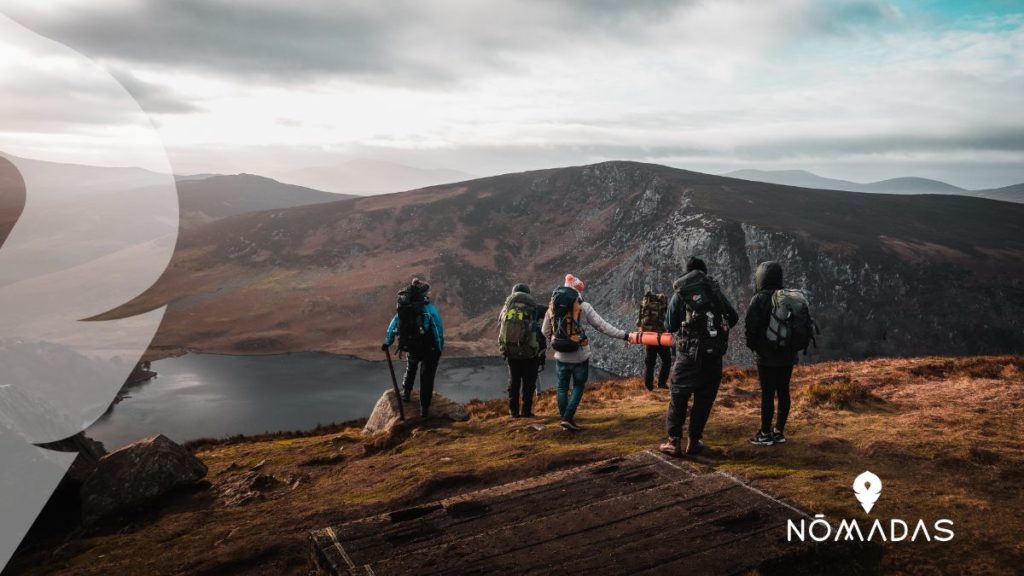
<point x="790" y="326"/>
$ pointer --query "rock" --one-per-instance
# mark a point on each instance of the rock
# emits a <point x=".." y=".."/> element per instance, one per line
<point x="535" y="427"/>
<point x="245" y="488"/>
<point x="385" y="414"/>
<point x="137" y="475"/>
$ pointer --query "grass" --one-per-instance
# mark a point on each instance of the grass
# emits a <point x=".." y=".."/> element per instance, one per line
<point x="943" y="434"/>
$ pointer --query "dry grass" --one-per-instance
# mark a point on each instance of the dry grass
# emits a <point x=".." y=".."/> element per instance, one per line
<point x="943" y="434"/>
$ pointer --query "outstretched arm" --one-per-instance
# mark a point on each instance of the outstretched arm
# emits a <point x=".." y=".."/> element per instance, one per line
<point x="602" y="325"/>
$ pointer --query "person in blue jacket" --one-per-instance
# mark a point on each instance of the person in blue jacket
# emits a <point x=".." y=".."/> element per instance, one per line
<point x="422" y="341"/>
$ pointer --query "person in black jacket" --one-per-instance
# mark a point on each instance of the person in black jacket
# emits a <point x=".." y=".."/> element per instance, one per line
<point x="774" y="366"/>
<point x="700" y="376"/>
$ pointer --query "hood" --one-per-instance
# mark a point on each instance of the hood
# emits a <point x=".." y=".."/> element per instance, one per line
<point x="524" y="288"/>
<point x="768" y="276"/>
<point x="688" y="279"/>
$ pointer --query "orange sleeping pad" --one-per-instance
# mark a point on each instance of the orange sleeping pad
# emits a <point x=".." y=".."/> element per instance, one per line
<point x="651" y="338"/>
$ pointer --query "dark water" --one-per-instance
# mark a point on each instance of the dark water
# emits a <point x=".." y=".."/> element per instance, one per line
<point x="206" y="395"/>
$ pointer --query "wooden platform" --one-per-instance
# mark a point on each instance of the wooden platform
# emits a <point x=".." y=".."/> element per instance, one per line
<point x="642" y="514"/>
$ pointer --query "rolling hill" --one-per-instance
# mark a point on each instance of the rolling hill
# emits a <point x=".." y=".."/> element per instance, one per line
<point x="219" y="195"/>
<point x="805" y="179"/>
<point x="887" y="274"/>
<point x="364" y="177"/>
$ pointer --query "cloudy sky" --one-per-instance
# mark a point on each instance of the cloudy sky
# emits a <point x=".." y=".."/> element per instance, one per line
<point x="856" y="89"/>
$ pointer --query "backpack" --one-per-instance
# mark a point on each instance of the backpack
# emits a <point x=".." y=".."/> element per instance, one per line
<point x="652" y="312"/>
<point x="517" y="336"/>
<point x="704" y="330"/>
<point x="790" y="326"/>
<point x="568" y="334"/>
<point x="412" y="334"/>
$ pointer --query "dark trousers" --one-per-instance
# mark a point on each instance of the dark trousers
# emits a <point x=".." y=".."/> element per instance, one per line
<point x="651" y="355"/>
<point x="522" y="382"/>
<point x="426" y="364"/>
<point x="700" y="381"/>
<point x="774" y="382"/>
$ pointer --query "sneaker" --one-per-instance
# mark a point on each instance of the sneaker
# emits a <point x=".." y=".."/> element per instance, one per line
<point x="694" y="447"/>
<point x="762" y="439"/>
<point x="778" y="437"/>
<point x="671" y="447"/>
<point x="571" y="426"/>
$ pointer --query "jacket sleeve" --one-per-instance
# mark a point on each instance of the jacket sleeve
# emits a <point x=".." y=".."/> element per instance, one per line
<point x="674" y="316"/>
<point x="389" y="336"/>
<point x="546" y="328"/>
<point x="602" y="325"/>
<point x="435" y="322"/>
<point x="754" y="322"/>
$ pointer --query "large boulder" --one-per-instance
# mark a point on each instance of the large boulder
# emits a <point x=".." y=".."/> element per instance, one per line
<point x="137" y="475"/>
<point x="385" y="414"/>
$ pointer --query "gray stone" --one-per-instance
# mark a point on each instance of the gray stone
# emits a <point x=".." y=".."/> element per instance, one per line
<point x="137" y="475"/>
<point x="385" y="414"/>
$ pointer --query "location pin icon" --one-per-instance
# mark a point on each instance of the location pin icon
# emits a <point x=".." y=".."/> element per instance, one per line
<point x="867" y="487"/>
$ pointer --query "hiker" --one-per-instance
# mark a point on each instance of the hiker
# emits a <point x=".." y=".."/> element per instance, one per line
<point x="421" y="336"/>
<point x="523" y="345"/>
<point x="777" y="327"/>
<point x="701" y="316"/>
<point x="652" y="319"/>
<point x="563" y="327"/>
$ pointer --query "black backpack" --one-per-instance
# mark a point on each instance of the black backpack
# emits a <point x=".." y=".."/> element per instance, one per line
<point x="704" y="330"/>
<point x="568" y="334"/>
<point x="412" y="334"/>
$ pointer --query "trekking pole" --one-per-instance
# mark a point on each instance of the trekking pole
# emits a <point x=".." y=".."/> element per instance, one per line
<point x="394" y="383"/>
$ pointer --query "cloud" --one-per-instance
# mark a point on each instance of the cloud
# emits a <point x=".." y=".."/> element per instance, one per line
<point x="411" y="42"/>
<point x="153" y="98"/>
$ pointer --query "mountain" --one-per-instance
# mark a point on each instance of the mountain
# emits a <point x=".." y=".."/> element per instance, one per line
<point x="887" y="274"/>
<point x="364" y="177"/>
<point x="805" y="179"/>
<point x="219" y="196"/>
<point x="54" y="177"/>
<point x="1014" y="193"/>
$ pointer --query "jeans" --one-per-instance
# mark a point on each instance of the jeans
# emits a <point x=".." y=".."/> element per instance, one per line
<point x="651" y="355"/>
<point x="522" y="377"/>
<point x="578" y="373"/>
<point x="426" y="363"/>
<point x="702" y="383"/>
<point x="774" y="382"/>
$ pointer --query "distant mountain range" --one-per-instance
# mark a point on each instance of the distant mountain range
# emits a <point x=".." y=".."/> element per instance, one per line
<point x="905" y="185"/>
<point x="219" y="196"/>
<point x="365" y="177"/>
<point x="887" y="274"/>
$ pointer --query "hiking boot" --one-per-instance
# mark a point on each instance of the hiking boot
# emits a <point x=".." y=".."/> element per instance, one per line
<point x="425" y="412"/>
<point x="671" y="447"/>
<point x="528" y="414"/>
<point x="512" y="414"/>
<point x="778" y="437"/>
<point x="407" y="396"/>
<point x="694" y="447"/>
<point x="571" y="425"/>
<point x="663" y="386"/>
<point x="762" y="439"/>
<point x="650" y="387"/>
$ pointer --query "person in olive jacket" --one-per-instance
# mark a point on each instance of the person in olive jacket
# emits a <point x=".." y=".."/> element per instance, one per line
<point x="774" y="366"/>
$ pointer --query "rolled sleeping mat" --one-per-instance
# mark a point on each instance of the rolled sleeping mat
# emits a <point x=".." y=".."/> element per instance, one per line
<point x="651" y="338"/>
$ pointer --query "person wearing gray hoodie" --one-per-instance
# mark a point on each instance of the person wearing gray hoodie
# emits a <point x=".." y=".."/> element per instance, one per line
<point x="574" y="366"/>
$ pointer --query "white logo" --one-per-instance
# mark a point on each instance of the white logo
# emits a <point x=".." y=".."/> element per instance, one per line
<point x="867" y="487"/>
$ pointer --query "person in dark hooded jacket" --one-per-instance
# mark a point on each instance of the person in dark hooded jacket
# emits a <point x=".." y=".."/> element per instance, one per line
<point x="523" y="372"/>
<point x="774" y="366"/>
<point x="698" y="377"/>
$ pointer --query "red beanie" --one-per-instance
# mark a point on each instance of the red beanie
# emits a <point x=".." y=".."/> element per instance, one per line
<point x="574" y="282"/>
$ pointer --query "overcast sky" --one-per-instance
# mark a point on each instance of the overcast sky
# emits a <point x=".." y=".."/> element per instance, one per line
<point x="856" y="89"/>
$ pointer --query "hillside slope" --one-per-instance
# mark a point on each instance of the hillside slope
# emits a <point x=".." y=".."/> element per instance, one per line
<point x="943" y="434"/>
<point x="886" y="274"/>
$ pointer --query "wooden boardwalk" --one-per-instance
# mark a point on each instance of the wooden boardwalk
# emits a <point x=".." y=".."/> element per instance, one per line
<point x="641" y="514"/>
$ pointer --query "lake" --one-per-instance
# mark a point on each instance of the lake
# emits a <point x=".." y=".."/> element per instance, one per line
<point x="212" y="395"/>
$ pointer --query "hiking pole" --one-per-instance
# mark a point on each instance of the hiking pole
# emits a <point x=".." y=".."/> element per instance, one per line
<point x="394" y="384"/>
